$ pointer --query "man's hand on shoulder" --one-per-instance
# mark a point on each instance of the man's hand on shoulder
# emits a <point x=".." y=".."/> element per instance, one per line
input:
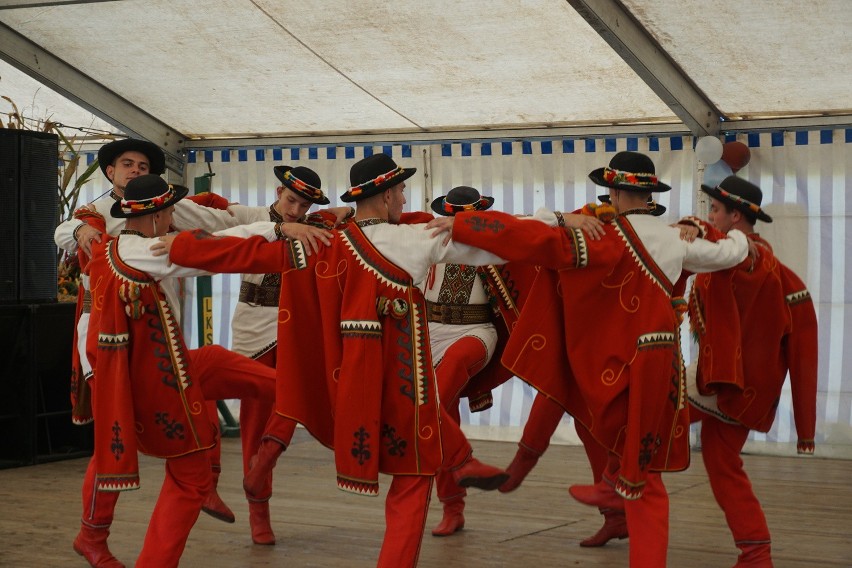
<point x="163" y="245"/>
<point x="311" y="237"/>
<point x="592" y="226"/>
<point x="341" y="214"/>
<point x="442" y="225"/>
<point x="688" y="233"/>
<point x="85" y="235"/>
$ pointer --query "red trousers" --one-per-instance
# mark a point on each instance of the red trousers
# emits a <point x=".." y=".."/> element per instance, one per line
<point x="254" y="414"/>
<point x="721" y="444"/>
<point x="407" y="502"/>
<point x="544" y="417"/>
<point x="280" y="430"/>
<point x="648" y="525"/>
<point x="462" y="360"/>
<point x="597" y="454"/>
<point x="406" y="506"/>
<point x="187" y="483"/>
<point x="647" y="517"/>
<point x="222" y="374"/>
<point x="541" y="424"/>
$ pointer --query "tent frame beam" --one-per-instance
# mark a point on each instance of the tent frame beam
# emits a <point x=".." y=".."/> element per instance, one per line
<point x="414" y="137"/>
<point x="617" y="26"/>
<point x="51" y="71"/>
<point x="616" y="131"/>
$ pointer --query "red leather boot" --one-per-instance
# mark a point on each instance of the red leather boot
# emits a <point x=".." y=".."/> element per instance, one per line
<point x="214" y="506"/>
<point x="523" y="462"/>
<point x="601" y="495"/>
<point x="261" y="526"/>
<point x="261" y="465"/>
<point x="615" y="526"/>
<point x="91" y="544"/>
<point x="453" y="517"/>
<point x="474" y="473"/>
<point x="754" y="556"/>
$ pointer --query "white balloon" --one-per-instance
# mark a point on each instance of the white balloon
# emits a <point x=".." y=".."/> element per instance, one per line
<point x="715" y="173"/>
<point x="709" y="149"/>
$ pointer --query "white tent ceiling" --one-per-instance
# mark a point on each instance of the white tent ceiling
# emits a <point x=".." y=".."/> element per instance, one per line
<point x="193" y="73"/>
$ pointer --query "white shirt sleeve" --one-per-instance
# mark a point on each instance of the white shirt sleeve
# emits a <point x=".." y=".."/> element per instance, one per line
<point x="191" y="215"/>
<point x="704" y="256"/>
<point x="136" y="251"/>
<point x="546" y="216"/>
<point x="63" y="236"/>
<point x="412" y="248"/>
<point x="265" y="229"/>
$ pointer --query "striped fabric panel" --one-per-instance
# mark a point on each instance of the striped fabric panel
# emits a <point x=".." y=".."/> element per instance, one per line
<point x="805" y="177"/>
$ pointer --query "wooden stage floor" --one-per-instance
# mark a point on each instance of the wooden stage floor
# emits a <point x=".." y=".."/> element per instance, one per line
<point x="808" y="503"/>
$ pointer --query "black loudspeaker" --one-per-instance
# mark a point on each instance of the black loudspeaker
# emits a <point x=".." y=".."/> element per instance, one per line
<point x="29" y="203"/>
<point x="35" y="375"/>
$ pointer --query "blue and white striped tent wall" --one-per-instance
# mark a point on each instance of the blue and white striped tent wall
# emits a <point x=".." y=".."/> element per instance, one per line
<point x="805" y="177"/>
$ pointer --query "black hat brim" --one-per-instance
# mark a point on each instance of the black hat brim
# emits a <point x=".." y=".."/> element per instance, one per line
<point x="438" y="205"/>
<point x="347" y="197"/>
<point x="279" y="173"/>
<point x="112" y="150"/>
<point x="597" y="177"/>
<point x="180" y="192"/>
<point x="716" y="194"/>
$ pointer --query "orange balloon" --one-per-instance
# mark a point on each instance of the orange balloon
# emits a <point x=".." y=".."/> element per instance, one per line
<point x="736" y="154"/>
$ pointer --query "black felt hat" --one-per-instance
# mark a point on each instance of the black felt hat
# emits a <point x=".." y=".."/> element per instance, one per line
<point x="373" y="175"/>
<point x="461" y="198"/>
<point x="111" y="151"/>
<point x="302" y="181"/>
<point x="630" y="171"/>
<point x="147" y="194"/>
<point x="655" y="208"/>
<point x="739" y="194"/>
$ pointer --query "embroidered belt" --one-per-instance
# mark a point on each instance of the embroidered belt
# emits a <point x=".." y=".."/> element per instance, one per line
<point x="458" y="314"/>
<point x="87" y="301"/>
<point x="259" y="295"/>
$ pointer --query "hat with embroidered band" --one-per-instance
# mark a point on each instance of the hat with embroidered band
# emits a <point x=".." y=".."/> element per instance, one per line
<point x="302" y="181"/>
<point x="147" y="194"/>
<point x="739" y="194"/>
<point x="373" y="175"/>
<point x="655" y="208"/>
<point x="630" y="171"/>
<point x="108" y="154"/>
<point x="461" y="198"/>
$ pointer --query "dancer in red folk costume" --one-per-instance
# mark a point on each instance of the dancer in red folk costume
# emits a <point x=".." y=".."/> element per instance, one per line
<point x="120" y="161"/>
<point x="148" y="389"/>
<point x="754" y="324"/>
<point x="471" y="310"/>
<point x="545" y="415"/>
<point x="369" y="389"/>
<point x="254" y="327"/>
<point x="628" y="389"/>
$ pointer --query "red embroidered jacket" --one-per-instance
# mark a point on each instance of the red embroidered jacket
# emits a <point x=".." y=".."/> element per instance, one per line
<point x="144" y="394"/>
<point x="352" y="336"/>
<point x="603" y="342"/>
<point x="754" y="324"/>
